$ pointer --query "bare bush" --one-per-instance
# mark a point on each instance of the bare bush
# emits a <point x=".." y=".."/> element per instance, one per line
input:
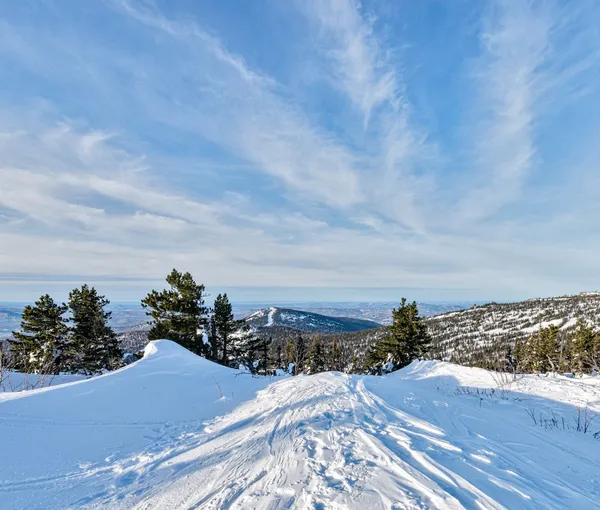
<point x="582" y="421"/>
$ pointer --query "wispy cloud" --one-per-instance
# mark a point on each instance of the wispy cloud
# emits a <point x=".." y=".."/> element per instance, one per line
<point x="363" y="71"/>
<point x="252" y="120"/>
<point x="168" y="142"/>
<point x="360" y="69"/>
<point x="511" y="75"/>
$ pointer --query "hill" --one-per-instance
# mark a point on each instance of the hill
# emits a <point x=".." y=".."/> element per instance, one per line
<point x="307" y="322"/>
<point x="481" y="335"/>
<point x="177" y="431"/>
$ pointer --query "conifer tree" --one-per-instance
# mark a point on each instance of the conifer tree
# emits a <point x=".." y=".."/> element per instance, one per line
<point x="315" y="357"/>
<point x="38" y="347"/>
<point x="213" y="339"/>
<point x="550" y="349"/>
<point x="278" y="356"/>
<point x="518" y="354"/>
<point x="93" y="345"/>
<point x="225" y="325"/>
<point x="336" y="357"/>
<point x="585" y="350"/>
<point x="407" y="339"/>
<point x="257" y="354"/>
<point x="178" y="313"/>
<point x="299" y="355"/>
<point x="289" y="353"/>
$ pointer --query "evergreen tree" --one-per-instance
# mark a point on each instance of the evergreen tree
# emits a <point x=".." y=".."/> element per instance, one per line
<point x="225" y="325"/>
<point x="213" y="339"/>
<point x="585" y="348"/>
<point x="299" y="355"/>
<point x="93" y="345"/>
<point x="407" y="339"/>
<point x="510" y="361"/>
<point x="38" y="347"/>
<point x="178" y="313"/>
<point x="336" y="357"/>
<point x="517" y="355"/>
<point x="257" y="354"/>
<point x="264" y="351"/>
<point x="550" y="349"/>
<point x="315" y="357"/>
<point x="278" y="356"/>
<point x="289" y="353"/>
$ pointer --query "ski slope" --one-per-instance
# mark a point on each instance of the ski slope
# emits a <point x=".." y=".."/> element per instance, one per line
<point x="174" y="431"/>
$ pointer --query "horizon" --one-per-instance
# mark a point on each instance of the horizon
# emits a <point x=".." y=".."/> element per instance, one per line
<point x="444" y="150"/>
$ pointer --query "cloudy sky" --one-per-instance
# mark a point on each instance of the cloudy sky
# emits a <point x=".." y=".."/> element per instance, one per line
<point x="308" y="148"/>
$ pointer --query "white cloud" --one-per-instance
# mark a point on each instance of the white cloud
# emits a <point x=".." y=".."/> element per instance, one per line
<point x="249" y="118"/>
<point x="360" y="68"/>
<point x="326" y="211"/>
<point x="511" y="75"/>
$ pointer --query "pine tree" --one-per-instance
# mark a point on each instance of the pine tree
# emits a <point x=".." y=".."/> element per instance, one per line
<point x="517" y="356"/>
<point x="256" y="354"/>
<point x="336" y="357"/>
<point x="550" y="349"/>
<point x="278" y="356"/>
<point x="178" y="313"/>
<point x="299" y="355"/>
<point x="264" y="351"/>
<point x="289" y="353"/>
<point x="585" y="348"/>
<point x="407" y="339"/>
<point x="315" y="357"/>
<point x="213" y="340"/>
<point x="93" y="345"/>
<point x="38" y="347"/>
<point x="225" y="325"/>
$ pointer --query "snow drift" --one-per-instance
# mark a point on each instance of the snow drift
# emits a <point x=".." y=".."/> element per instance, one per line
<point x="174" y="431"/>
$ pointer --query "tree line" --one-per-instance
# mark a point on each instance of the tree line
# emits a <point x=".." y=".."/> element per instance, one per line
<point x="179" y="314"/>
<point x="550" y="349"/>
<point x="76" y="337"/>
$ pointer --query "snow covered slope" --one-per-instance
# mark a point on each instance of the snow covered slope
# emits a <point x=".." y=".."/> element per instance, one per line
<point x="310" y="322"/>
<point x="157" y="435"/>
<point x="485" y="332"/>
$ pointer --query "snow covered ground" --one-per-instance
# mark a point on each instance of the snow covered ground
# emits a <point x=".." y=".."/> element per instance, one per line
<point x="174" y="431"/>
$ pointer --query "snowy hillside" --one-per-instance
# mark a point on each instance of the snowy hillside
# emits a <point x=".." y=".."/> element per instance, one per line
<point x="308" y="322"/>
<point x="485" y="332"/>
<point x="174" y="431"/>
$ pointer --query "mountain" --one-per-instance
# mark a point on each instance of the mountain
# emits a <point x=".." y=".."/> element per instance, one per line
<point x="177" y="431"/>
<point x="307" y="322"/>
<point x="482" y="334"/>
<point x="375" y="311"/>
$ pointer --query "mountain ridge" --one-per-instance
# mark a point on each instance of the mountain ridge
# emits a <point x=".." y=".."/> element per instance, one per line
<point x="306" y="322"/>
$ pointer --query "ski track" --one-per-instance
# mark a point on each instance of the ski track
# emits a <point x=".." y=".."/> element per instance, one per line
<point x="327" y="441"/>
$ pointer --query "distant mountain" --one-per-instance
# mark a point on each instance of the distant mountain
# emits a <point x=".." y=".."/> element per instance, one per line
<point x="308" y="322"/>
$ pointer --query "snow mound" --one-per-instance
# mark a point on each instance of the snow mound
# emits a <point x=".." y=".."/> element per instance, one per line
<point x="58" y="443"/>
<point x="174" y="431"/>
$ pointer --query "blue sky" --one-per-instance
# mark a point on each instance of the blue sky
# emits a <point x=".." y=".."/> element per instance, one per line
<point x="440" y="149"/>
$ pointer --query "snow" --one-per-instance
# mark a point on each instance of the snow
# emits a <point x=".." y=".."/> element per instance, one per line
<point x="270" y="316"/>
<point x="160" y="434"/>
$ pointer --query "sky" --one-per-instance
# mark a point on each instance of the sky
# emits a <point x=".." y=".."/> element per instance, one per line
<point x="435" y="149"/>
